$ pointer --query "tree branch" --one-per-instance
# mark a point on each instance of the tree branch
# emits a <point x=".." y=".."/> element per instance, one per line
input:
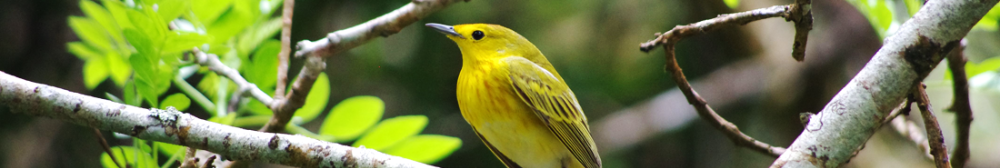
<point x="212" y="62"/>
<point x="287" y="10"/>
<point x="175" y="127"/>
<point x="960" y="105"/>
<point x="385" y="25"/>
<point x="800" y="13"/>
<point x="934" y="137"/>
<point x="907" y="57"/>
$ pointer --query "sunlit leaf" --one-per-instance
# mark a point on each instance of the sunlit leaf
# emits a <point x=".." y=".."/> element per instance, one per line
<point x="263" y="70"/>
<point x="184" y="42"/>
<point x="989" y="22"/>
<point x="232" y="21"/>
<point x="102" y="16"/>
<point x="119" y="68"/>
<point x="135" y="158"/>
<point x="256" y="34"/>
<point x="169" y="149"/>
<point x="118" y="12"/>
<point x="353" y="116"/>
<point x="170" y="10"/>
<point x="318" y="96"/>
<point x="95" y="70"/>
<point x="91" y="32"/>
<point x="392" y="131"/>
<point x="732" y="3"/>
<point x="82" y="50"/>
<point x="226" y="120"/>
<point x="177" y="100"/>
<point x="209" y="11"/>
<point x="426" y="148"/>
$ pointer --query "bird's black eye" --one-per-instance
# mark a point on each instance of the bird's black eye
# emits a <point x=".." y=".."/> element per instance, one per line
<point x="477" y="35"/>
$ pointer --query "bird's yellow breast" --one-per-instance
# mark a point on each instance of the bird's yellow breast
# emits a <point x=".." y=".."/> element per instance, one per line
<point x="488" y="103"/>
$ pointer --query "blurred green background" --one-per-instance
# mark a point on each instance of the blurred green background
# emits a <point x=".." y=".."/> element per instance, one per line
<point x="637" y="116"/>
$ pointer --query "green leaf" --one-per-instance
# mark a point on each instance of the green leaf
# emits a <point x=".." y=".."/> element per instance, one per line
<point x="146" y="74"/>
<point x="102" y="16"/>
<point x="168" y="149"/>
<point x="144" y="45"/>
<point x="227" y="120"/>
<point x="144" y="24"/>
<point x="131" y="96"/>
<point x="732" y="3"/>
<point x="83" y="51"/>
<point x="119" y="68"/>
<point x="95" y="71"/>
<point x="232" y="22"/>
<point x="973" y="69"/>
<point x="208" y="84"/>
<point x="258" y="108"/>
<point x="171" y="9"/>
<point x="877" y="12"/>
<point x="91" y="32"/>
<point x="177" y="100"/>
<point x="183" y="42"/>
<point x="256" y="34"/>
<point x="118" y="12"/>
<point x="989" y="22"/>
<point x="135" y="158"/>
<point x="392" y="131"/>
<point x="426" y="148"/>
<point x="263" y="70"/>
<point x="208" y="11"/>
<point x="318" y="96"/>
<point x="353" y="116"/>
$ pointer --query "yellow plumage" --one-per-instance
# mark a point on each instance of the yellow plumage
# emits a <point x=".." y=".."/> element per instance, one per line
<point x="517" y="102"/>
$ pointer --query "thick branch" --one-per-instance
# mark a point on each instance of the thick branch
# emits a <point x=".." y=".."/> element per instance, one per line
<point x="385" y="25"/>
<point x="175" y="127"/>
<point x="854" y="114"/>
<point x="961" y="106"/>
<point x="934" y="136"/>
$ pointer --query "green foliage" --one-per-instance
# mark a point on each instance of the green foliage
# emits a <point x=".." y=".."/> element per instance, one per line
<point x="132" y="45"/>
<point x="392" y="131"/>
<point x="134" y="157"/>
<point x="426" y="148"/>
<point x="973" y="69"/>
<point x="989" y="22"/>
<point x="732" y="4"/>
<point x="177" y="100"/>
<point x="353" y="116"/>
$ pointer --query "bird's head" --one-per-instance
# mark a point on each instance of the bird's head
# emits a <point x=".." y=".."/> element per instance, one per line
<point x="486" y="40"/>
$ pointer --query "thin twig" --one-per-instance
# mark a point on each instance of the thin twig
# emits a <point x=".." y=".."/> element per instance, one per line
<point x="107" y="148"/>
<point x="285" y="108"/>
<point x="800" y="13"/>
<point x="934" y="136"/>
<point x="707" y="113"/>
<point x="960" y="105"/>
<point x="906" y="127"/>
<point x="383" y="26"/>
<point x="212" y="62"/>
<point x="288" y="9"/>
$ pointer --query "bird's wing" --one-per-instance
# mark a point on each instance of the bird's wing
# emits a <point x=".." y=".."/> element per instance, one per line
<point x="555" y="104"/>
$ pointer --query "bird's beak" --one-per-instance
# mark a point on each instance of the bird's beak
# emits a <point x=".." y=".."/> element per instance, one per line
<point x="446" y="29"/>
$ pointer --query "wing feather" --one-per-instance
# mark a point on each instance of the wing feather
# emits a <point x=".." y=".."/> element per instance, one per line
<point x="556" y="105"/>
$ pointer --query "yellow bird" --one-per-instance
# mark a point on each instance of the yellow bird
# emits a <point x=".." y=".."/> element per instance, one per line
<point x="517" y="102"/>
